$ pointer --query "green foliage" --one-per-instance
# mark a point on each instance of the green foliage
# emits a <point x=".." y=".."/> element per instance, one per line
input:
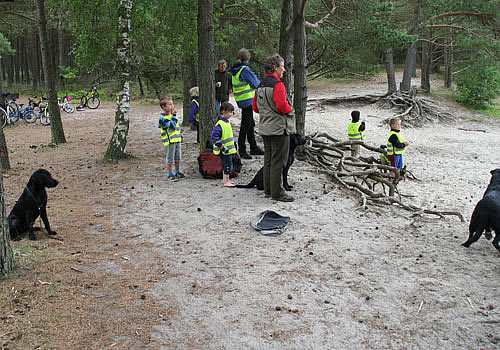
<point x="5" y="48"/>
<point x="69" y="73"/>
<point x="479" y="85"/>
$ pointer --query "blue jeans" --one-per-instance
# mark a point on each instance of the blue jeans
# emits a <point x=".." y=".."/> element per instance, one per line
<point x="227" y="163"/>
<point x="217" y="106"/>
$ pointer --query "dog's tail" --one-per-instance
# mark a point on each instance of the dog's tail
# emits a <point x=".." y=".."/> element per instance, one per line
<point x="249" y="185"/>
<point x="478" y="223"/>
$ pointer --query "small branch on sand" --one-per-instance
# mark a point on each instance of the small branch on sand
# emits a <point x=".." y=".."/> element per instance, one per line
<point x="363" y="175"/>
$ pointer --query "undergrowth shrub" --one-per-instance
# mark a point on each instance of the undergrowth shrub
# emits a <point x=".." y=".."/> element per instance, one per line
<point x="478" y="86"/>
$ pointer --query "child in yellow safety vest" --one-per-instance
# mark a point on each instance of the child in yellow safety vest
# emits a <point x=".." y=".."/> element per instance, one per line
<point x="396" y="144"/>
<point x="223" y="140"/>
<point x="194" y="110"/>
<point x="356" y="132"/>
<point x="171" y="136"/>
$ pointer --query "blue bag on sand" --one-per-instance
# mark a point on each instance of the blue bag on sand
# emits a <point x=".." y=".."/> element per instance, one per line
<point x="270" y="223"/>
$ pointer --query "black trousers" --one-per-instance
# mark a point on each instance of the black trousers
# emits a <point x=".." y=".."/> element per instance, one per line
<point x="247" y="130"/>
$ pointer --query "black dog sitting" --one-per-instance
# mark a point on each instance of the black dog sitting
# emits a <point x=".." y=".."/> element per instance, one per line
<point x="31" y="204"/>
<point x="258" y="180"/>
<point x="486" y="214"/>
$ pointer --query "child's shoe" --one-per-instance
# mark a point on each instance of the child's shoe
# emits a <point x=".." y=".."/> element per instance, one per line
<point x="172" y="178"/>
<point x="180" y="175"/>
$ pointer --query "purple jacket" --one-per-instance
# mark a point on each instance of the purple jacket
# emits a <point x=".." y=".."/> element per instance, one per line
<point x="193" y="111"/>
<point x="217" y="133"/>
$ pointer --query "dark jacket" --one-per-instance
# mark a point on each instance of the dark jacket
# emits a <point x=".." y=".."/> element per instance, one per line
<point x="222" y="92"/>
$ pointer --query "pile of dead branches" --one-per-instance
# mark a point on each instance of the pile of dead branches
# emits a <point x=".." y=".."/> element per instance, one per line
<point x="372" y="181"/>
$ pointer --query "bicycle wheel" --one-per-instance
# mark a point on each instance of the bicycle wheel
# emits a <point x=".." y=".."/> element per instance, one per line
<point x="29" y="117"/>
<point x="93" y="102"/>
<point x="13" y="112"/>
<point x="3" y="117"/>
<point x="68" y="107"/>
<point x="45" y="117"/>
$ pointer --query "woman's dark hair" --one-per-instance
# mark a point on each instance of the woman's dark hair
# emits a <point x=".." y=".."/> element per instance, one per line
<point x="273" y="62"/>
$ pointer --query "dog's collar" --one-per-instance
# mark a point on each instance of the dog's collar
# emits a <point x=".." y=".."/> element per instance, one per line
<point x="34" y="198"/>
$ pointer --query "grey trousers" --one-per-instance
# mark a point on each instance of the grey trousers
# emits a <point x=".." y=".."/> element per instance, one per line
<point x="276" y="150"/>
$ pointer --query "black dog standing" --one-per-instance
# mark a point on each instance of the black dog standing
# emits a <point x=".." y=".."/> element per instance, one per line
<point x="31" y="204"/>
<point x="486" y="214"/>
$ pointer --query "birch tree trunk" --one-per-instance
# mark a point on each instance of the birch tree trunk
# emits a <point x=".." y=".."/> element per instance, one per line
<point x="206" y="58"/>
<point x="118" y="142"/>
<point x="286" y="44"/>
<point x="299" y="65"/>
<point x="6" y="254"/>
<point x="49" y="72"/>
<point x="391" y="75"/>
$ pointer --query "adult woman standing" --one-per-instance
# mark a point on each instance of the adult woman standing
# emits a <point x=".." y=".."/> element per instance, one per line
<point x="276" y="124"/>
<point x="244" y="84"/>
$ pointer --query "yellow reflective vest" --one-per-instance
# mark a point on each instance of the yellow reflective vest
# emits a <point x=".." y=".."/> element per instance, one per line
<point x="197" y="114"/>
<point x="241" y="89"/>
<point x="354" y="133"/>
<point x="391" y="149"/>
<point x="226" y="138"/>
<point x="171" y="135"/>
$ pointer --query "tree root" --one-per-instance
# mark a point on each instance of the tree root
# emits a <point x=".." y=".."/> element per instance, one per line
<point x="362" y="175"/>
<point x="412" y="110"/>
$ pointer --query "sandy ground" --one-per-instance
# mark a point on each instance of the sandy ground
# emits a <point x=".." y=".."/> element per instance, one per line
<point x="337" y="278"/>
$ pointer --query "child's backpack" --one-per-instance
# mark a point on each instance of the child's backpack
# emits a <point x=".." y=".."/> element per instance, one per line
<point x="211" y="166"/>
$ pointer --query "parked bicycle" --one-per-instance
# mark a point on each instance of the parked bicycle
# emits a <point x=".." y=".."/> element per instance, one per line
<point x="44" y="115"/>
<point x="16" y="111"/>
<point x="90" y="99"/>
<point x="65" y="104"/>
<point x="3" y="117"/>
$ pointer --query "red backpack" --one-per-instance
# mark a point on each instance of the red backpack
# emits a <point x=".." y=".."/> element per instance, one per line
<point x="211" y="166"/>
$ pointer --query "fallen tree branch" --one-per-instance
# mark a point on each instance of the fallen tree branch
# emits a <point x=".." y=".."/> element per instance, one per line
<point x="331" y="157"/>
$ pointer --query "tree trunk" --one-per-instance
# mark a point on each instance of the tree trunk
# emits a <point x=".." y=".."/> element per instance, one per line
<point x="411" y="54"/>
<point x="286" y="43"/>
<point x="190" y="79"/>
<point x="26" y="62"/>
<point x="17" y="60"/>
<point x="6" y="254"/>
<point x="141" y="88"/>
<point x="425" y="81"/>
<point x="448" y="63"/>
<point x="4" y="154"/>
<point x="56" y="127"/>
<point x="299" y="65"/>
<point x="391" y="75"/>
<point x="206" y="57"/>
<point x="118" y="142"/>
<point x="34" y="61"/>
<point x="10" y="71"/>
<point x="60" y="40"/>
